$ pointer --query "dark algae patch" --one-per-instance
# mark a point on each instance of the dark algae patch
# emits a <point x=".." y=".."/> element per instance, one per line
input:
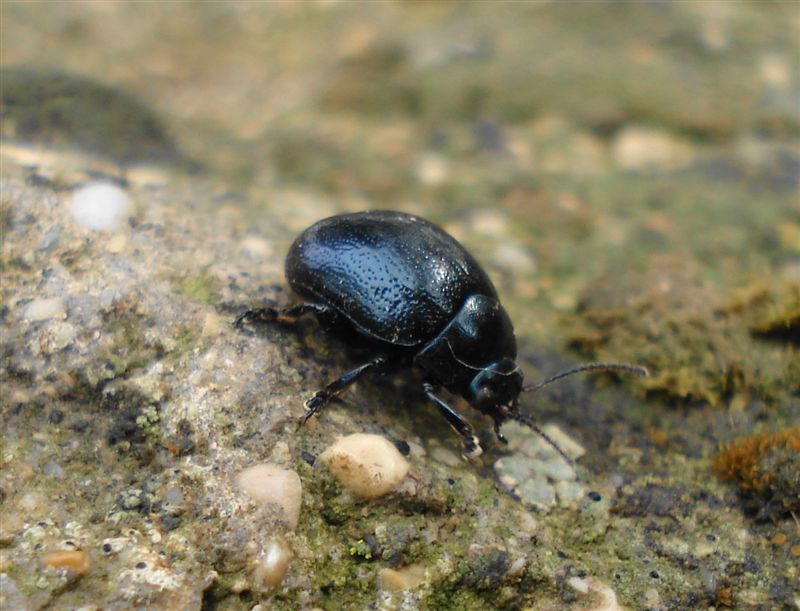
<point x="62" y="108"/>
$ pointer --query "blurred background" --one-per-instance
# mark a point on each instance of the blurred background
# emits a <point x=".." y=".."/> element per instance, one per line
<point x="651" y="143"/>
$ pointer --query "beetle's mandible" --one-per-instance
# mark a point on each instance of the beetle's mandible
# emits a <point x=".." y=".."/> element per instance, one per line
<point x="409" y="292"/>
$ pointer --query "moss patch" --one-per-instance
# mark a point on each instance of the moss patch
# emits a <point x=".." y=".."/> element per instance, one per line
<point x="766" y="469"/>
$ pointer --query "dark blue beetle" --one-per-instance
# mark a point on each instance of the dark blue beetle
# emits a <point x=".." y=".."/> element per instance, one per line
<point x="412" y="294"/>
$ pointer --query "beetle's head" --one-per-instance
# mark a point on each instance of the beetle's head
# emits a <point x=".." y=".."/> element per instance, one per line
<point x="494" y="389"/>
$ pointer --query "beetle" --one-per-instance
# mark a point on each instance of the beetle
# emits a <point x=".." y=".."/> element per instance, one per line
<point x="413" y="296"/>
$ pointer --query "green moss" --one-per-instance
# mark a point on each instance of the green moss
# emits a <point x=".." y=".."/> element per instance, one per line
<point x="185" y="340"/>
<point x="200" y="287"/>
<point x="360" y="550"/>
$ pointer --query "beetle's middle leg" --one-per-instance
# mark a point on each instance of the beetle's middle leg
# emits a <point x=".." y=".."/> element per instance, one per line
<point x="472" y="448"/>
<point x="285" y="316"/>
<point x="322" y="397"/>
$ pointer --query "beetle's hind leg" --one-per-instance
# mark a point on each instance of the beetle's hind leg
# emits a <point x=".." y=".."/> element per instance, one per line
<point x="285" y="316"/>
<point x="472" y="448"/>
<point x="322" y="398"/>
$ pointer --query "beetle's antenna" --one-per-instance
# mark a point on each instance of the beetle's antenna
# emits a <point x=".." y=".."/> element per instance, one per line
<point x="522" y="419"/>
<point x="588" y="367"/>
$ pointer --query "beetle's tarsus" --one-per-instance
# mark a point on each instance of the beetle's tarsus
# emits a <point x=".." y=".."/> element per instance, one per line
<point x="314" y="405"/>
<point x="265" y="315"/>
<point x="500" y="437"/>
<point x="285" y="316"/>
<point x="472" y="447"/>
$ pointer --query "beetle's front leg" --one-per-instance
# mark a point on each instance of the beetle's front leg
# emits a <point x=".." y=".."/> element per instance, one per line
<point x="472" y="448"/>
<point x="322" y="397"/>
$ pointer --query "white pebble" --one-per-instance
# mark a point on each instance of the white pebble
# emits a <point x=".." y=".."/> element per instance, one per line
<point x="274" y="488"/>
<point x="44" y="309"/>
<point x="273" y="563"/>
<point x="256" y="247"/>
<point x="100" y="206"/>
<point x="367" y="465"/>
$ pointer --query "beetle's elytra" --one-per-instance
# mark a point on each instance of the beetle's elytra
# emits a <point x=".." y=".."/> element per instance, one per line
<point x="414" y="296"/>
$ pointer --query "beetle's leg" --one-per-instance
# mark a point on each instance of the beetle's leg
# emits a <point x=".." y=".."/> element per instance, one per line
<point x="500" y="436"/>
<point x="284" y="316"/>
<point x="472" y="448"/>
<point x="322" y="397"/>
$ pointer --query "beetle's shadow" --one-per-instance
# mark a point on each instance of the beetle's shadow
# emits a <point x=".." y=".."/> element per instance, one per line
<point x="590" y="408"/>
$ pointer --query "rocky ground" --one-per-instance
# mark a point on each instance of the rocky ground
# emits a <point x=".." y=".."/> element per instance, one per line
<point x="629" y="177"/>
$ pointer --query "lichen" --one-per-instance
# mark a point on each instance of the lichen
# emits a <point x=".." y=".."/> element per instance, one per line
<point x="766" y="469"/>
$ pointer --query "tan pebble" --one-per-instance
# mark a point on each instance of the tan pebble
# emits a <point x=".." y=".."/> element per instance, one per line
<point x="779" y="539"/>
<point x="76" y="561"/>
<point x="603" y="598"/>
<point x="638" y="148"/>
<point x="274" y="487"/>
<point x="273" y="563"/>
<point x="405" y="578"/>
<point x="367" y="465"/>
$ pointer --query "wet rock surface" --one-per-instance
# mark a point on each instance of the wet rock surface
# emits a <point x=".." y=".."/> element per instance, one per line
<point x="643" y="209"/>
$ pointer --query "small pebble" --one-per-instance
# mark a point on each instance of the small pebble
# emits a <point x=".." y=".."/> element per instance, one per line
<point x="568" y="492"/>
<point x="645" y="148"/>
<point x="779" y="539"/>
<point x="603" y="597"/>
<point x="273" y="563"/>
<point x="100" y="206"/>
<point x="538" y="492"/>
<point x="76" y="561"/>
<point x="53" y="469"/>
<point x="370" y="466"/>
<point x="578" y="584"/>
<point x="274" y="487"/>
<point x="432" y="169"/>
<point x="44" y="309"/>
<point x="535" y="472"/>
<point x="256" y="247"/>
